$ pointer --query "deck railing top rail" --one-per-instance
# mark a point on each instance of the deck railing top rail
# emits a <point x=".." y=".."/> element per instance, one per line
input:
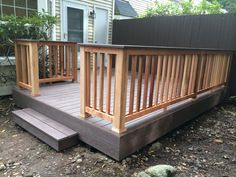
<point x="152" y="47"/>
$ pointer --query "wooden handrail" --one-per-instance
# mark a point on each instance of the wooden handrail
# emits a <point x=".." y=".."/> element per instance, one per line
<point x="40" y="62"/>
<point x="139" y="80"/>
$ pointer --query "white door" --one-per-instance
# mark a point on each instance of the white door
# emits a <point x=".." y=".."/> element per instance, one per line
<point x="101" y="26"/>
<point x="74" y="23"/>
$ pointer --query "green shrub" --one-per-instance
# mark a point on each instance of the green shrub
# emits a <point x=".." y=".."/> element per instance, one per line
<point x="183" y="7"/>
<point x="36" y="27"/>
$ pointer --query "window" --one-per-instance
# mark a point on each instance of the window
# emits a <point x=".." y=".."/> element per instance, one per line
<point x="18" y="7"/>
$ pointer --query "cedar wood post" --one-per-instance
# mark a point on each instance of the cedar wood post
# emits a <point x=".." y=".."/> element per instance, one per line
<point x="83" y="85"/>
<point x="121" y="74"/>
<point x="75" y="71"/>
<point x="17" y="64"/>
<point x="34" y="68"/>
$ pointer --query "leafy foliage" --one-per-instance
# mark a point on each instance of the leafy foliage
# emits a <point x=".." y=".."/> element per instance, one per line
<point x="37" y="27"/>
<point x="229" y="5"/>
<point x="183" y="7"/>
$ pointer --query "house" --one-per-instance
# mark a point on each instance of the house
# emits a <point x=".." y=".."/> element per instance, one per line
<point x="78" y="20"/>
<point x="123" y="10"/>
<point x="127" y="9"/>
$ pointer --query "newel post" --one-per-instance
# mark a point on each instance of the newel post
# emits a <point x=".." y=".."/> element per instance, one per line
<point x="121" y="75"/>
<point x="83" y="85"/>
<point x="17" y="64"/>
<point x="34" y="68"/>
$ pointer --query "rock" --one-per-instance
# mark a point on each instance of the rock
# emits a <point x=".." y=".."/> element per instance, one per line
<point x="143" y="174"/>
<point x="160" y="171"/>
<point x="2" y="166"/>
<point x="155" y="146"/>
<point x="79" y="160"/>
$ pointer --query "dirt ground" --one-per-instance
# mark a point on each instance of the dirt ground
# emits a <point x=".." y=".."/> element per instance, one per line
<point x="205" y="146"/>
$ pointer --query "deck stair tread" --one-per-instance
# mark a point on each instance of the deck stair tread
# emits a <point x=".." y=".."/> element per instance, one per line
<point x="49" y="131"/>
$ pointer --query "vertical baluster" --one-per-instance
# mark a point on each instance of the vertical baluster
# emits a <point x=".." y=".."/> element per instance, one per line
<point x="227" y="68"/>
<point x="172" y="77"/>
<point x="196" y="75"/>
<point x="181" y="76"/>
<point x="206" y="71"/>
<point x="176" y="75"/>
<point x="223" y="68"/>
<point x="88" y="81"/>
<point x="152" y="81"/>
<point x="139" y="91"/>
<point x="109" y="77"/>
<point x="183" y="87"/>
<point x="94" y="80"/>
<point x="23" y="61"/>
<point x="163" y="77"/>
<point x="56" y="59"/>
<point x="221" y="63"/>
<point x="191" y="79"/>
<point x="167" y="81"/>
<point x="158" y="77"/>
<point x="146" y="78"/>
<point x="132" y="85"/>
<point x="213" y="71"/>
<point x="201" y="73"/>
<point x="101" y="81"/>
<point x="62" y="60"/>
<point x="67" y="61"/>
<point x="43" y="61"/>
<point x="50" y="61"/>
<point x="28" y="65"/>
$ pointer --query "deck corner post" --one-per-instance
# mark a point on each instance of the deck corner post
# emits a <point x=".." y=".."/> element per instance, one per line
<point x="17" y="65"/>
<point x="34" y="68"/>
<point x="75" y="70"/>
<point x="83" y="85"/>
<point x="121" y="76"/>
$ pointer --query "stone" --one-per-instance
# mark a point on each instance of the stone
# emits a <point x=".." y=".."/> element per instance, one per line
<point x="161" y="170"/>
<point x="79" y="160"/>
<point x="143" y="174"/>
<point x="155" y="146"/>
<point x="2" y="166"/>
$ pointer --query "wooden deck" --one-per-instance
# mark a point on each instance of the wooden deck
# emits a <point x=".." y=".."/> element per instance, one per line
<point x="126" y="98"/>
<point x="61" y="102"/>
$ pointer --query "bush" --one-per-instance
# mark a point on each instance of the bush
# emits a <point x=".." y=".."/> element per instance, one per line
<point x="183" y="7"/>
<point x="36" y="27"/>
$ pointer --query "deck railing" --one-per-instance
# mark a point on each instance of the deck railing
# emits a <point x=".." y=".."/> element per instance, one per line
<point x="122" y="83"/>
<point x="44" y="62"/>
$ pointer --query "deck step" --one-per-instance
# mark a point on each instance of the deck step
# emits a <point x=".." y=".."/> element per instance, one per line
<point x="49" y="131"/>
